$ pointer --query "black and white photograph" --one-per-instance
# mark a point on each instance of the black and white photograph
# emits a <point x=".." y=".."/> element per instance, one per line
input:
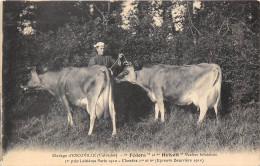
<point x="130" y="82"/>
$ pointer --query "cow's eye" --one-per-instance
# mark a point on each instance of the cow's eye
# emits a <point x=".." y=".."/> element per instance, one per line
<point x="125" y="72"/>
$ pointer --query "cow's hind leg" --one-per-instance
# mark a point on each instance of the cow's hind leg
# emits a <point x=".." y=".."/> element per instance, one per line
<point x="93" y="100"/>
<point x="216" y="109"/>
<point x="203" y="110"/>
<point x="92" y="113"/>
<point x="67" y="107"/>
<point x="217" y="104"/>
<point x="213" y="100"/>
<point x="91" y="124"/>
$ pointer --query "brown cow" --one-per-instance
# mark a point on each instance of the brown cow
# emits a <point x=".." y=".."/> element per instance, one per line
<point x="89" y="88"/>
<point x="182" y="85"/>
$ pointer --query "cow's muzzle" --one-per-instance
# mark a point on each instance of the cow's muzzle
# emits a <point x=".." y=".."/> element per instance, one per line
<point x="118" y="80"/>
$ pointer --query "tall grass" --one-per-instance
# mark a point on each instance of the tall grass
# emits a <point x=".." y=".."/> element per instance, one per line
<point x="236" y="131"/>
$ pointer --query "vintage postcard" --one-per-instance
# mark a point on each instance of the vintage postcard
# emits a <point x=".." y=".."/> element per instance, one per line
<point x="130" y="83"/>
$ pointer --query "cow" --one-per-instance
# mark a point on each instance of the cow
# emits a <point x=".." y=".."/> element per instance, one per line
<point x="89" y="88"/>
<point x="181" y="85"/>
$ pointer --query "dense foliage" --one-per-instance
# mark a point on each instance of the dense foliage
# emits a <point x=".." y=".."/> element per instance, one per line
<point x="225" y="33"/>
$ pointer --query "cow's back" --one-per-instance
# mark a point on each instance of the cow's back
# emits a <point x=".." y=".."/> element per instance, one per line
<point x="177" y="81"/>
<point x="80" y="82"/>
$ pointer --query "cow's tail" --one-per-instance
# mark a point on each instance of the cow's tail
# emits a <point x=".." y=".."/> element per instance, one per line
<point x="217" y="87"/>
<point x="105" y="93"/>
<point x="102" y="106"/>
<point x="110" y="100"/>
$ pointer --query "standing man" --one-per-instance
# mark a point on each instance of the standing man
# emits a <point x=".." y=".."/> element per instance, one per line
<point x="100" y="59"/>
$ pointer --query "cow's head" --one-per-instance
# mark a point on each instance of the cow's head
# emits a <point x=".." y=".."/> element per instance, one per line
<point x="129" y="74"/>
<point x="34" y="80"/>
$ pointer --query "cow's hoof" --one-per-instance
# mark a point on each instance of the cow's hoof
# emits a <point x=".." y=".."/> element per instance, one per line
<point x="218" y="122"/>
<point x="161" y="120"/>
<point x="113" y="134"/>
<point x="199" y="124"/>
<point x="69" y="126"/>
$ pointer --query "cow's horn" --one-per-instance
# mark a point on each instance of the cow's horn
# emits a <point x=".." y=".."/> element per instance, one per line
<point x="24" y="87"/>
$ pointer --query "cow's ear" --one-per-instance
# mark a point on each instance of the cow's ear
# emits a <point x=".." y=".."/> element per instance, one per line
<point x="40" y="69"/>
<point x="33" y="69"/>
<point x="137" y="65"/>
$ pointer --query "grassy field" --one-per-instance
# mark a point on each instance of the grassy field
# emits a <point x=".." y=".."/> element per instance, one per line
<point x="40" y="121"/>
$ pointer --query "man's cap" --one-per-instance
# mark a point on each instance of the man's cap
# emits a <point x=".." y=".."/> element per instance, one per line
<point x="99" y="44"/>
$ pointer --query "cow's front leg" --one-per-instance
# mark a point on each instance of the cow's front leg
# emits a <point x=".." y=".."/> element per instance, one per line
<point x="70" y="120"/>
<point x="67" y="108"/>
<point x="156" y="109"/>
<point x="159" y="99"/>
